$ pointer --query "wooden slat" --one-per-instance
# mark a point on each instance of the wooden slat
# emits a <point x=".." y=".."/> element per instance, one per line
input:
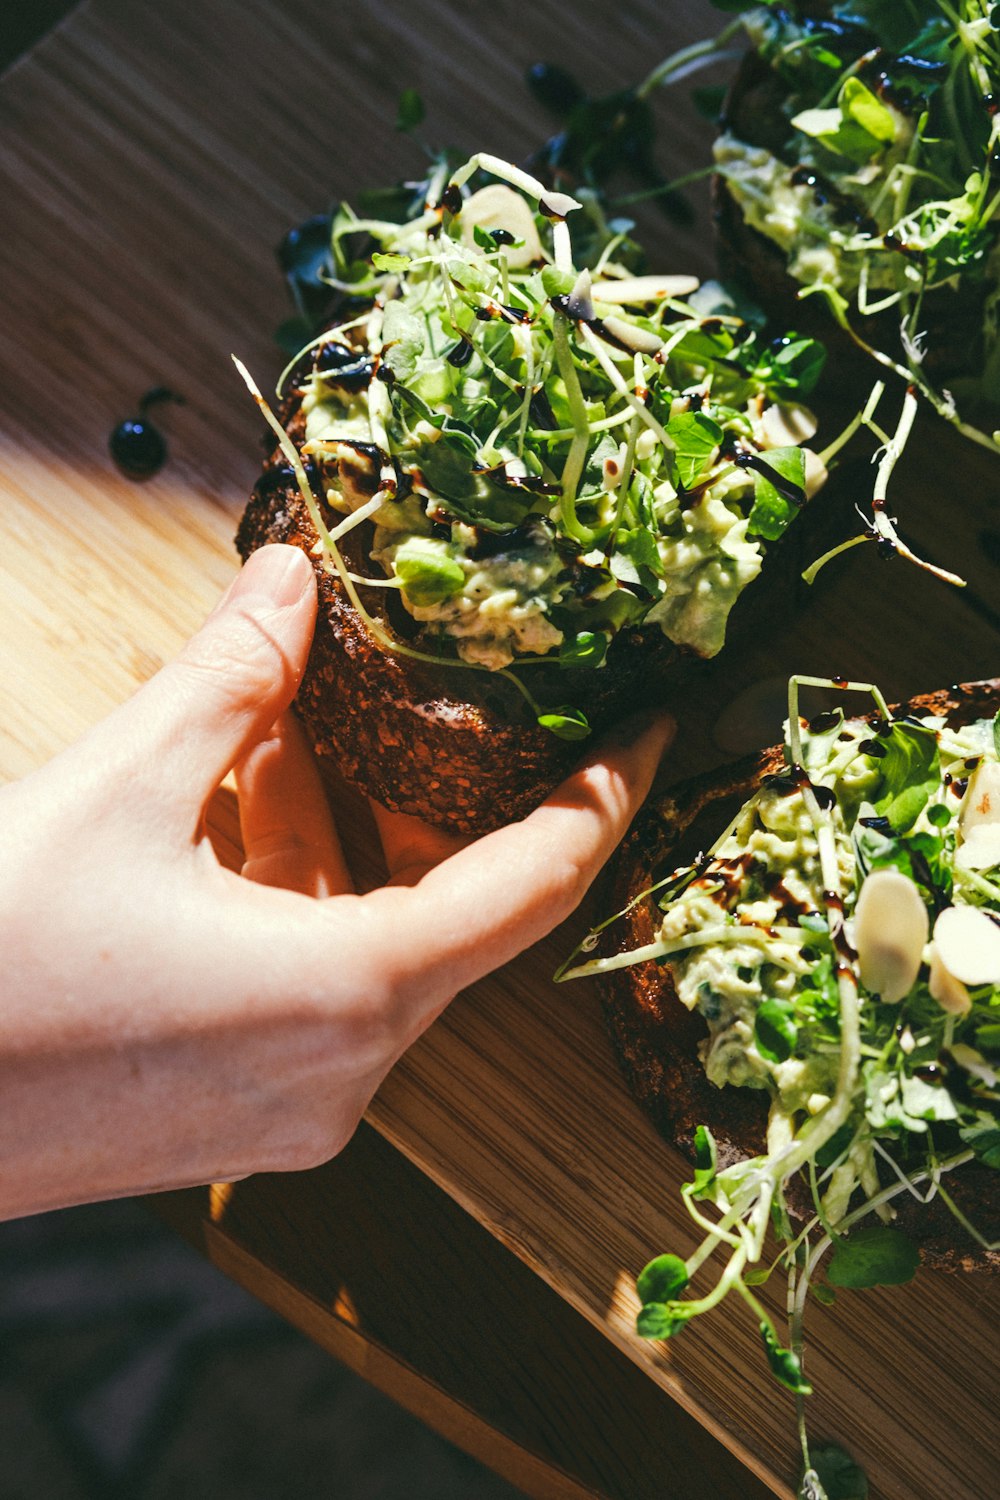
<point x="150" y="157"/>
<point x="384" y="1270"/>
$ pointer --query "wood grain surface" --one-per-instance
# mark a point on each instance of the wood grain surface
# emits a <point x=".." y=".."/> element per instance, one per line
<point x="151" y="155"/>
<point x="389" y="1274"/>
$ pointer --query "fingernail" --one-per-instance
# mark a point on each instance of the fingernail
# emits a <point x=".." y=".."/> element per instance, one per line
<point x="277" y="574"/>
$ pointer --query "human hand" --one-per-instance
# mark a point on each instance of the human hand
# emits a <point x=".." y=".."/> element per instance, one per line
<point x="169" y="1022"/>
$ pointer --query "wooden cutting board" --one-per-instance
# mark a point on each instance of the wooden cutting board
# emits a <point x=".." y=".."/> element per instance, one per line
<point x="151" y="156"/>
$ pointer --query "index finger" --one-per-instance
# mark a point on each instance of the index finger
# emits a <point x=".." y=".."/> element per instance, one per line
<point x="502" y="893"/>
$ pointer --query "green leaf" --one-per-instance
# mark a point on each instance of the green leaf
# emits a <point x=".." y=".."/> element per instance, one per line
<point x="474" y="495"/>
<point x="910" y="773"/>
<point x="429" y="572"/>
<point x="996" y="733"/>
<point x="411" y="110"/>
<point x="988" y="1037"/>
<point x="840" y="1476"/>
<point x="785" y="1365"/>
<point x="827" y="1155"/>
<point x="696" y="437"/>
<point x="403" y="339"/>
<point x="866" y="109"/>
<point x="388" y="260"/>
<point x="984" y="1138"/>
<point x="876" y="1256"/>
<point x="924" y="858"/>
<point x="662" y="1279"/>
<point x="587" y="648"/>
<point x="824" y="1294"/>
<point x="634" y="550"/>
<point x="657" y="1320"/>
<point x="927" y="1101"/>
<point x="557" y="283"/>
<point x="725" y="298"/>
<point x="795" y="367"/>
<point x="566" y="723"/>
<point x="858" y="126"/>
<point x="775" y="1031"/>
<point x="773" y="507"/>
<point x="706" y="1158"/>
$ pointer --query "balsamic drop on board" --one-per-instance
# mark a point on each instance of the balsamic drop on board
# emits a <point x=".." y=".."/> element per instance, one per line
<point x="137" y="446"/>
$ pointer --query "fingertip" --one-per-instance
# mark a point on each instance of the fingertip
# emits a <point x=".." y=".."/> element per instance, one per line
<point x="277" y="574"/>
<point x="635" y="746"/>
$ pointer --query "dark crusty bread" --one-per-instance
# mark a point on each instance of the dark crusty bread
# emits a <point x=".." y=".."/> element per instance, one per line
<point x="656" y="1037"/>
<point x="952" y="316"/>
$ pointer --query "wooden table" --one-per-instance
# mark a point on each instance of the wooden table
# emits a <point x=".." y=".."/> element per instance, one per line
<point x="151" y="156"/>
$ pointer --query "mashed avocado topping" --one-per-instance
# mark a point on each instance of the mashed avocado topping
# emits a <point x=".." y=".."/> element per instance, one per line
<point x="841" y="941"/>
<point x="549" y="452"/>
<point x="882" y="186"/>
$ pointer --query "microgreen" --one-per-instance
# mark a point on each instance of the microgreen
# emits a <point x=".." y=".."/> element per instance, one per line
<point x="887" y="175"/>
<point x="775" y="1031"/>
<point x="774" y="507"/>
<point x="910" y="771"/>
<point x="858" y="127"/>
<point x="428" y="573"/>
<point x="566" y="723"/>
<point x="696" y="438"/>
<point x="556" y="460"/>
<point x="587" y="648"/>
<point x="411" y="110"/>
<point x="868" y="1101"/>
<point x="875" y="1256"/>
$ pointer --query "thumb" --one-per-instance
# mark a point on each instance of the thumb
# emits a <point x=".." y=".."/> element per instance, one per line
<point x="204" y="710"/>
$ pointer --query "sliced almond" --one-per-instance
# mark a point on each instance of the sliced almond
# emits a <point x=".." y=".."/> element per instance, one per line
<point x="890" y="931"/>
<point x="981" y="849"/>
<point x="968" y="942"/>
<point x="640" y="289"/>
<point x="642" y="340"/>
<point x="579" y="303"/>
<point x="975" y="1063"/>
<point x="981" y="803"/>
<point x="499" y="207"/>
<point x="787" y="426"/>
<point x="816" y="472"/>
<point x="949" y="992"/>
<point x="557" y="205"/>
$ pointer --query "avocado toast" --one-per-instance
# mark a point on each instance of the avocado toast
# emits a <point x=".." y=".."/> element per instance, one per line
<point x="532" y="491"/>
<point x="857" y="170"/>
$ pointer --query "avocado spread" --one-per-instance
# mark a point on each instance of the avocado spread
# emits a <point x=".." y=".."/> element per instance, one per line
<point x="549" y="452"/>
<point x="875" y="174"/>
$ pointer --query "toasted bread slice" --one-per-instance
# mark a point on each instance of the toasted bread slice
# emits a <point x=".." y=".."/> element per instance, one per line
<point x="656" y="1037"/>
<point x="458" y="748"/>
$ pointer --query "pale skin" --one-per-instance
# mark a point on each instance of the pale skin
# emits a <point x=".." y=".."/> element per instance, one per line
<point x="167" y="1021"/>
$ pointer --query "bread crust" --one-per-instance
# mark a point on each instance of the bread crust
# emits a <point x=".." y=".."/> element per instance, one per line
<point x="656" y="1037"/>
